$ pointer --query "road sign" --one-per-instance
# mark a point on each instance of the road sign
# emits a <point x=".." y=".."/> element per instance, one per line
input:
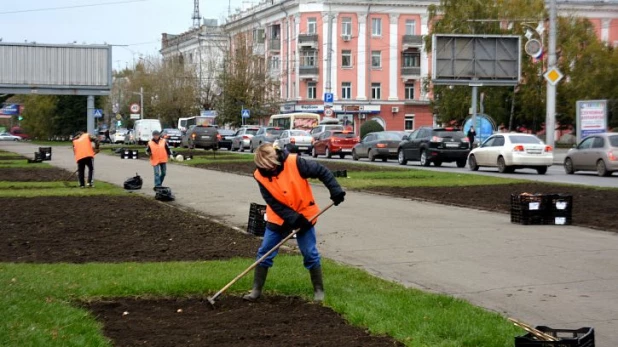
<point x="135" y="115"/>
<point x="98" y="113"/>
<point x="119" y="123"/>
<point x="20" y="118"/>
<point x="553" y="76"/>
<point x="329" y="98"/>
<point x="135" y="108"/>
<point x="328" y="112"/>
<point x="118" y="116"/>
<point x="245" y="113"/>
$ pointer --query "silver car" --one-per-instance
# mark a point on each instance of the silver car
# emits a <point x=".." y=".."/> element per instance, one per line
<point x="597" y="152"/>
<point x="296" y="141"/>
<point x="242" y="138"/>
<point x="9" y="137"/>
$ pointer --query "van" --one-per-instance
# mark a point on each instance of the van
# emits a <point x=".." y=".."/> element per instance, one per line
<point x="143" y="129"/>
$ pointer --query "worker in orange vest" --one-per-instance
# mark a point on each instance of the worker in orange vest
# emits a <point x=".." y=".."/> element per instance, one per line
<point x="283" y="181"/>
<point x="159" y="151"/>
<point x="84" y="156"/>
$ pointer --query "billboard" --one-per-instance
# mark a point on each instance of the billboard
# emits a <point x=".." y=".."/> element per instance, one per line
<point x="591" y="118"/>
<point x="10" y="110"/>
<point x="28" y="68"/>
<point x="476" y="59"/>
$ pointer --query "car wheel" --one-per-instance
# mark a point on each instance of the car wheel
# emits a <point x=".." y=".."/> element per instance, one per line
<point x="461" y="163"/>
<point x="401" y="158"/>
<point x="354" y="155"/>
<point x="342" y="156"/>
<point x="15" y="140"/>
<point x="568" y="166"/>
<point x="251" y="148"/>
<point x="314" y="153"/>
<point x="424" y="161"/>
<point x="472" y="164"/>
<point x="329" y="155"/>
<point x="384" y="160"/>
<point x="541" y="170"/>
<point x="502" y="168"/>
<point x="371" y="156"/>
<point x="602" y="169"/>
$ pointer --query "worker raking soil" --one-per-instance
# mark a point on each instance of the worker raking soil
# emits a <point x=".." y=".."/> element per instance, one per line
<point x="283" y="182"/>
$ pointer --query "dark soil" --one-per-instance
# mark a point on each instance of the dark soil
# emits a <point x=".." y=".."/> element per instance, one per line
<point x="594" y="208"/>
<point x="112" y="229"/>
<point x="273" y="321"/>
<point x="11" y="157"/>
<point x="247" y="168"/>
<point x="35" y="174"/>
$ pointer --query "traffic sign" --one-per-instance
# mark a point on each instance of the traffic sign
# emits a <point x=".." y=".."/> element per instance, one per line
<point x="135" y="108"/>
<point x="135" y="116"/>
<point x="20" y="118"/>
<point x="118" y="116"/>
<point x="328" y="112"/>
<point x="98" y="113"/>
<point x="329" y="98"/>
<point x="553" y="76"/>
<point x="245" y="113"/>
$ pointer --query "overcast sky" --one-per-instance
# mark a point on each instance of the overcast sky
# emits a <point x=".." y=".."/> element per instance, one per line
<point x="137" y="23"/>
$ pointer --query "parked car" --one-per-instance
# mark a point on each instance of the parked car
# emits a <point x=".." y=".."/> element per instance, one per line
<point x="226" y="138"/>
<point x="335" y="143"/>
<point x="9" y="137"/>
<point x="17" y="131"/>
<point x="594" y="153"/>
<point x="382" y="145"/>
<point x="119" y="135"/>
<point x="264" y="135"/>
<point x="144" y="128"/>
<point x="242" y="139"/>
<point x="201" y="136"/>
<point x="509" y="152"/>
<point x="172" y="136"/>
<point x="434" y="145"/>
<point x="100" y="135"/>
<point x="296" y="141"/>
<point x="320" y="129"/>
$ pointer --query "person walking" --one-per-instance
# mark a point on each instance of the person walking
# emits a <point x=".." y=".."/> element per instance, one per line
<point x="159" y="151"/>
<point x="84" y="156"/>
<point x="283" y="182"/>
<point x="107" y="138"/>
<point x="471" y="136"/>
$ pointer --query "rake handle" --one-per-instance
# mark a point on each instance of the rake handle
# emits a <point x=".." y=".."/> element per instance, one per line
<point x="271" y="251"/>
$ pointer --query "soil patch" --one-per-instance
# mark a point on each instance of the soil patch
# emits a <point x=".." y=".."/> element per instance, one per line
<point x="112" y="229"/>
<point x="273" y="321"/>
<point x="594" y="208"/>
<point x="35" y="174"/>
<point x="11" y="157"/>
<point x="247" y="168"/>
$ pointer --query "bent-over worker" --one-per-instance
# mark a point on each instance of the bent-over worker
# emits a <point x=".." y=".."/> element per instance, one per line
<point x="84" y="156"/>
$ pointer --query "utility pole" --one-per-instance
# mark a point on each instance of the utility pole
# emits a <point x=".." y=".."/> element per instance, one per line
<point x="550" y="117"/>
<point x="141" y="102"/>
<point x="329" y="51"/>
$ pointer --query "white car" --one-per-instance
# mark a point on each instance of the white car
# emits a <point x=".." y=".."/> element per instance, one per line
<point x="296" y="141"/>
<point x="9" y="137"/>
<point x="120" y="135"/>
<point x="509" y="152"/>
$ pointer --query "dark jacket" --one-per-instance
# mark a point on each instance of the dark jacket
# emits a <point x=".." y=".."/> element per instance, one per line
<point x="167" y="148"/>
<point x="308" y="169"/>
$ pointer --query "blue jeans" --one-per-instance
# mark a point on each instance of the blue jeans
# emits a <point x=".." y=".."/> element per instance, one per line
<point x="159" y="174"/>
<point x="306" y="243"/>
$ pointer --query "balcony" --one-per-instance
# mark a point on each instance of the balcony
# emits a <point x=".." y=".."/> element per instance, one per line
<point x="308" y="40"/>
<point x="258" y="49"/>
<point x="309" y="72"/>
<point x="274" y="44"/>
<point x="412" y="41"/>
<point x="410" y="72"/>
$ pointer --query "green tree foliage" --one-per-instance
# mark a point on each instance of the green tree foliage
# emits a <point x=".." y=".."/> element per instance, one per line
<point x="369" y="127"/>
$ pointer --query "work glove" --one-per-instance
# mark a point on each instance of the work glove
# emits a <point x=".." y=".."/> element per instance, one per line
<point x="171" y="157"/>
<point x="338" y="198"/>
<point x="302" y="223"/>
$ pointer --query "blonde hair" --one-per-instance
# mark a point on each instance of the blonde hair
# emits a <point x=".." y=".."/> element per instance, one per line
<point x="266" y="157"/>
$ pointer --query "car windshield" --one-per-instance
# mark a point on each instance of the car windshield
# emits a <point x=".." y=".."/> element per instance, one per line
<point x="334" y="127"/>
<point x="344" y="135"/>
<point x="273" y="132"/>
<point x="457" y="135"/>
<point x="173" y="132"/>
<point x="251" y="131"/>
<point x="390" y="136"/>
<point x="525" y="139"/>
<point x="613" y="140"/>
<point x="299" y="133"/>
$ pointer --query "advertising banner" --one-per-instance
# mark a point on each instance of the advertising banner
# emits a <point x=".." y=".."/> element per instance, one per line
<point x="591" y="118"/>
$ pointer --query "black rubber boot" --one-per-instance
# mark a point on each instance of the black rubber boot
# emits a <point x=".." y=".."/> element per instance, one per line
<point x="259" y="278"/>
<point x="318" y="284"/>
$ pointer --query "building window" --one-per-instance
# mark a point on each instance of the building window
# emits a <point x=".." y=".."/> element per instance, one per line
<point x="346" y="58"/>
<point x="312" y="90"/>
<point x="376" y="59"/>
<point x="258" y="35"/>
<point x="274" y="62"/>
<point x="376" y="91"/>
<point x="409" y="91"/>
<point x="376" y="27"/>
<point x="346" y="26"/>
<point x="312" y="26"/>
<point x="409" y="122"/>
<point x="308" y="58"/>
<point x="346" y="90"/>
<point x="410" y="27"/>
<point x="411" y="59"/>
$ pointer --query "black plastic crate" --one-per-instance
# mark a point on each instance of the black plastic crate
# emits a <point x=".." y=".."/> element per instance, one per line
<point x="561" y="203"/>
<point x="529" y="209"/>
<point x="46" y="153"/>
<point x="256" y="224"/>
<point x="583" y="337"/>
<point x="129" y="154"/>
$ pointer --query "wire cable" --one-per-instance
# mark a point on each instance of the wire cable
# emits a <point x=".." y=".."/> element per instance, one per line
<point x="72" y="7"/>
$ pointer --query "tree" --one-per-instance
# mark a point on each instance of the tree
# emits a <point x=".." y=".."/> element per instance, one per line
<point x="369" y="127"/>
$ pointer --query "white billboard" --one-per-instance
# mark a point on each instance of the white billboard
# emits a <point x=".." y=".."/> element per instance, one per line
<point x="591" y="118"/>
<point x="28" y="68"/>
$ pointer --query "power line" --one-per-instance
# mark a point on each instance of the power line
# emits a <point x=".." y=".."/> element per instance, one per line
<point x="72" y="7"/>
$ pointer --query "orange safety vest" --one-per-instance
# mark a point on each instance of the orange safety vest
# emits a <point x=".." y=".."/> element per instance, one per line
<point x="82" y="147"/>
<point x="290" y="189"/>
<point x="158" y="154"/>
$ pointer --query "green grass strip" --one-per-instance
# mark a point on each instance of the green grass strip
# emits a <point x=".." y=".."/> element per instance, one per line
<point x="38" y="312"/>
<point x="418" y="178"/>
<point x="37" y="189"/>
<point x="51" y="143"/>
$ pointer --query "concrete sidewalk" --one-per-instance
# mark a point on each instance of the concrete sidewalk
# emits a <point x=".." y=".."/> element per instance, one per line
<point x="563" y="277"/>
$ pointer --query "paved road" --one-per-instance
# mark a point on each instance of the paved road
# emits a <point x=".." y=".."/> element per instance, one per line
<point x="556" y="276"/>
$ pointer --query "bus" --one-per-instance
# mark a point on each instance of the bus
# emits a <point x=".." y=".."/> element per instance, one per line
<point x="292" y="121"/>
<point x="185" y="123"/>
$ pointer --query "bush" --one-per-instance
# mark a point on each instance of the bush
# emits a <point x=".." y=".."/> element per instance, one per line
<point x="370" y="127"/>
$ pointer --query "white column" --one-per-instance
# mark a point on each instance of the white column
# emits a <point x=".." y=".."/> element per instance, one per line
<point x="288" y="58"/>
<point x="324" y="50"/>
<point x="424" y="55"/>
<point x="393" y="61"/>
<point x="361" y="66"/>
<point x="335" y="57"/>
<point x="605" y="24"/>
<point x="296" y="57"/>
